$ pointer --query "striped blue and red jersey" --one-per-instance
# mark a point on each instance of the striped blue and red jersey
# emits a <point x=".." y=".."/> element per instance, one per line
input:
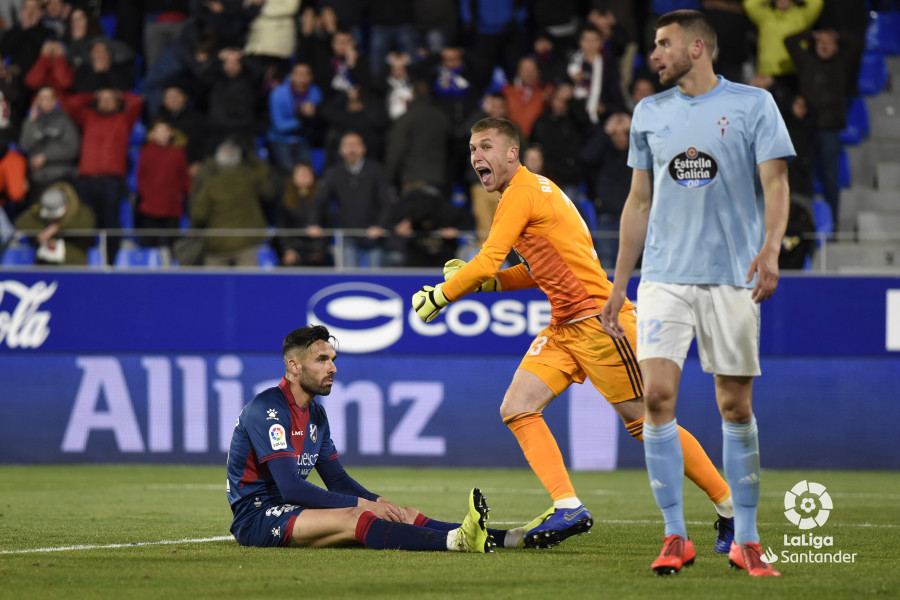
<point x="274" y="431"/>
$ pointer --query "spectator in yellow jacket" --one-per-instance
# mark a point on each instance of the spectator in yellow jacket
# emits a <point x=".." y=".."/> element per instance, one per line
<point x="776" y="20"/>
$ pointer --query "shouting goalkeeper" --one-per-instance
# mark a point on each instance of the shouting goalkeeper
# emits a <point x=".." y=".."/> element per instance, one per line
<point x="537" y="219"/>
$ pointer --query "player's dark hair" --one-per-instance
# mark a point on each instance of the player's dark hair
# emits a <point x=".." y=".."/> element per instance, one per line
<point x="503" y="126"/>
<point x="694" y="22"/>
<point x="304" y="337"/>
<point x="590" y="29"/>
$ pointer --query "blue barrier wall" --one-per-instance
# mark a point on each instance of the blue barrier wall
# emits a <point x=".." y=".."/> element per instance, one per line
<point x="155" y="367"/>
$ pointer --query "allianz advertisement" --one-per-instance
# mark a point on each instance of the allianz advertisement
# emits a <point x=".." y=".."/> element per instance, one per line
<point x="155" y="367"/>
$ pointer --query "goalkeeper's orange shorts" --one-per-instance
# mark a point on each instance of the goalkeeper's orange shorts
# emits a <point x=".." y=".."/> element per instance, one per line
<point x="573" y="352"/>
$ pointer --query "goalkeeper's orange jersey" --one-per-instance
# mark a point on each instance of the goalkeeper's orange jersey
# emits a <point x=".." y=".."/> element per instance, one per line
<point x="545" y="228"/>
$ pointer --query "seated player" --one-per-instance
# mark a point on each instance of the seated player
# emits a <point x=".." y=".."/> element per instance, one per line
<point x="283" y="433"/>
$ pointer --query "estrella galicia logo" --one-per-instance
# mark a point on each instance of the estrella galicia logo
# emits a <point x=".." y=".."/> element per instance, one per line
<point x="364" y="317"/>
<point x="693" y="168"/>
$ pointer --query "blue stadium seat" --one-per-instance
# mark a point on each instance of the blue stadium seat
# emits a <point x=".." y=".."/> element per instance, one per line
<point x="134" y="155"/>
<point x="857" y="123"/>
<point x="93" y="257"/>
<point x="318" y="161"/>
<point x="498" y="80"/>
<point x="126" y="214"/>
<point x="109" y="24"/>
<point x="844" y="174"/>
<point x="459" y="196"/>
<point x="822" y="217"/>
<point x="138" y="257"/>
<point x="138" y="134"/>
<point x="883" y="33"/>
<point x="266" y="257"/>
<point x="15" y="256"/>
<point x="588" y="212"/>
<point x="262" y="149"/>
<point x="873" y="73"/>
<point x="138" y="74"/>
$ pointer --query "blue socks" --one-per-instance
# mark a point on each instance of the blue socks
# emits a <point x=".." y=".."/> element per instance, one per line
<point x="379" y="534"/>
<point x="422" y="521"/>
<point x="740" y="453"/>
<point x="665" y="467"/>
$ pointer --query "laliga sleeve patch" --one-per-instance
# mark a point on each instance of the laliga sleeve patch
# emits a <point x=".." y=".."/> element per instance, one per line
<point x="277" y="437"/>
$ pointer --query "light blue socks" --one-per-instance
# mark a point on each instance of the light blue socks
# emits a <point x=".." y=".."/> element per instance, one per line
<point x="665" y="467"/>
<point x="740" y="453"/>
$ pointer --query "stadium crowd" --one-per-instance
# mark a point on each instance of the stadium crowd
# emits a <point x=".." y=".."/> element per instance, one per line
<point x="354" y="115"/>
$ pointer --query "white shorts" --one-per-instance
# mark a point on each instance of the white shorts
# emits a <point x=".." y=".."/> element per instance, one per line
<point x="725" y="319"/>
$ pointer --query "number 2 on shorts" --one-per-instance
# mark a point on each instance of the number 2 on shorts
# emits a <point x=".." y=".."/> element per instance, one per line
<point x="648" y="331"/>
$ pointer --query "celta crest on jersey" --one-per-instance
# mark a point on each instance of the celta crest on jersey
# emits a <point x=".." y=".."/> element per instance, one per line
<point x="723" y="123"/>
<point x="692" y="168"/>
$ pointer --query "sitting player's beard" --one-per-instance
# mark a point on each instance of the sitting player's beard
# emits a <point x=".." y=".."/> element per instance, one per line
<point x="312" y="386"/>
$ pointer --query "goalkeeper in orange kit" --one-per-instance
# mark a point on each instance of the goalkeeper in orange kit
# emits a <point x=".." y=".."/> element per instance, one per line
<point x="540" y="222"/>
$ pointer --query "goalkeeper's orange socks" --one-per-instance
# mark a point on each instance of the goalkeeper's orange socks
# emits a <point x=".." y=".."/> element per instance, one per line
<point x="697" y="467"/>
<point x="542" y="453"/>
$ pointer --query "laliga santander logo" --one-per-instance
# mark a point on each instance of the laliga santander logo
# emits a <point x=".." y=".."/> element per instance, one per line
<point x="365" y="317"/>
<point x="807" y="505"/>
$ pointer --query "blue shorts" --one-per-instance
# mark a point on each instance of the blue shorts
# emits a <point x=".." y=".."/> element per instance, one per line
<point x="264" y="524"/>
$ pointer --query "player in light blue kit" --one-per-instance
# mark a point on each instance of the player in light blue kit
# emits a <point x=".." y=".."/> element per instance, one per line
<point x="710" y="226"/>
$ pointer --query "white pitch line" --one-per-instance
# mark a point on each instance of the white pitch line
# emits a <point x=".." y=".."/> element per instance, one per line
<point x="185" y="486"/>
<point x="492" y="523"/>
<point x="220" y="538"/>
<point x="659" y="522"/>
<point x="510" y="491"/>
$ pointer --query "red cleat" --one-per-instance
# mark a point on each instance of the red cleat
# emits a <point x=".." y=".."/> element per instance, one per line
<point x="676" y="552"/>
<point x="749" y="558"/>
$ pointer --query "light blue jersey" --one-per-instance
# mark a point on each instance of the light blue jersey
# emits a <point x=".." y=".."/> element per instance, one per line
<point x="706" y="220"/>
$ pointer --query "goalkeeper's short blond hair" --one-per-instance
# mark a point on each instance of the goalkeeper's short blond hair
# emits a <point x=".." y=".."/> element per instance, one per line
<point x="504" y="127"/>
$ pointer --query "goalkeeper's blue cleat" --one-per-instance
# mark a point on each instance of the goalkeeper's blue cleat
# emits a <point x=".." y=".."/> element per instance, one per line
<point x="556" y="525"/>
<point x="725" y="534"/>
<point x="534" y="523"/>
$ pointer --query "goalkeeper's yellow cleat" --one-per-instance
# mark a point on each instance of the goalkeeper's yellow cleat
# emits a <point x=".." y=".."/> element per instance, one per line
<point x="429" y="301"/>
<point x="453" y="265"/>
<point x="472" y="534"/>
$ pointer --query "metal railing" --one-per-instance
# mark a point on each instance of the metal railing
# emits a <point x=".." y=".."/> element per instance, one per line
<point x="822" y="260"/>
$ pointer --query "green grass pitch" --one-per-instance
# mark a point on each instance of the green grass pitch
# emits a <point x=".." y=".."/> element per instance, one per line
<point x="95" y="532"/>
